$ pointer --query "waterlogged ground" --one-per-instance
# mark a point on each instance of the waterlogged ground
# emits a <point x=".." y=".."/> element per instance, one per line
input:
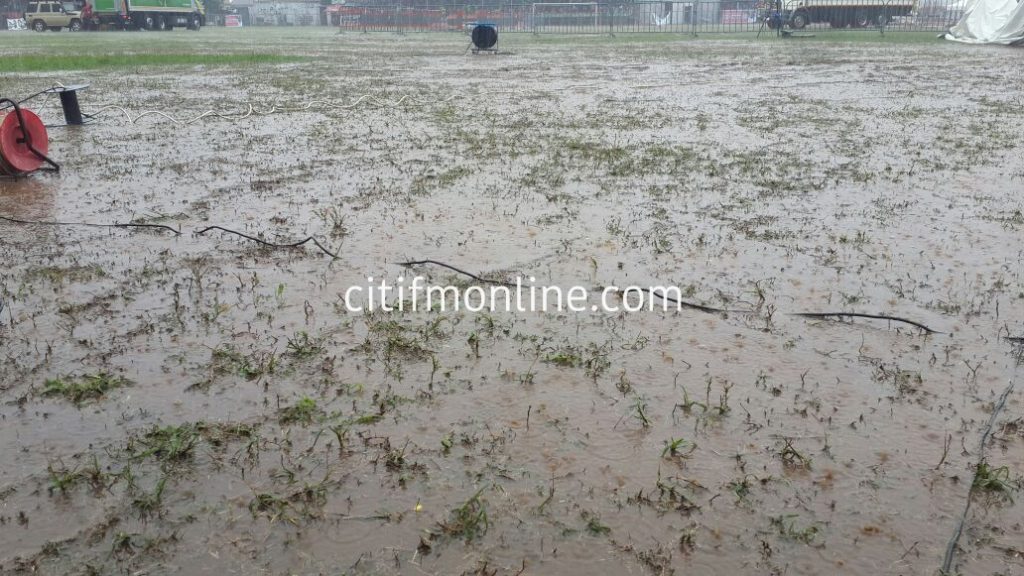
<point x="203" y="405"/>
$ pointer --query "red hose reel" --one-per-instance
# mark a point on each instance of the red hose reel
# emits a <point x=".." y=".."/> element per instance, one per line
<point x="23" y="142"/>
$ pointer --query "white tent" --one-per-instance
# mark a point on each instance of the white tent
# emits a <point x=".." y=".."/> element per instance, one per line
<point x="990" y="22"/>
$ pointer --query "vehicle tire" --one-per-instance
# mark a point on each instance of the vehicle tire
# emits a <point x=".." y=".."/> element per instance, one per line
<point x="142" y="22"/>
<point x="881" y="20"/>
<point x="163" y="23"/>
<point x="76" y="26"/>
<point x="195" y="23"/>
<point x="39" y="26"/>
<point x="799" y="20"/>
<point x="861" y="19"/>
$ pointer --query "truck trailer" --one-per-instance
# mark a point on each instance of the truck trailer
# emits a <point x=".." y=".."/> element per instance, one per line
<point x="149" y="14"/>
<point x="845" y="13"/>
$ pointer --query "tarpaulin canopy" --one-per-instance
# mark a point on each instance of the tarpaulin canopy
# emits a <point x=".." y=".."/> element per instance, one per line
<point x="990" y="22"/>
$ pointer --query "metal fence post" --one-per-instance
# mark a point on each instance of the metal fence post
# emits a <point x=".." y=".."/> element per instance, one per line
<point x="694" y="11"/>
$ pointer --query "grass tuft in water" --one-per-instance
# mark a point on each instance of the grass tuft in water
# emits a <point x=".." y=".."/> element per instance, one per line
<point x="86" y="388"/>
<point x="468" y="521"/>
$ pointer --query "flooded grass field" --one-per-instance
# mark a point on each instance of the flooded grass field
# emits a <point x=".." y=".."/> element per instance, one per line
<point x="203" y="404"/>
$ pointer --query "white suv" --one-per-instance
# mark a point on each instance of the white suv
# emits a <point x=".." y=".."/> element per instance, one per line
<point x="46" y="15"/>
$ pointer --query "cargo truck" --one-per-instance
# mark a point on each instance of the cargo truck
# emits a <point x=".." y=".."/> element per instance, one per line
<point x="149" y="14"/>
<point x="845" y="13"/>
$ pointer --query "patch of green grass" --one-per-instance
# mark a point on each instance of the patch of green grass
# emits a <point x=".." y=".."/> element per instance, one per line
<point x="271" y="506"/>
<point x="393" y="341"/>
<point x="671" y="496"/>
<point x="640" y="412"/>
<point x="86" y="388"/>
<point x="149" y="505"/>
<point x="791" y="456"/>
<point x="122" y="542"/>
<point x="740" y="487"/>
<point x="447" y="442"/>
<point x="304" y="346"/>
<point x="305" y="503"/>
<point x="219" y="434"/>
<point x="468" y="521"/>
<point x="563" y="358"/>
<point x="62" y="479"/>
<point x="176" y="444"/>
<point x="594" y="525"/>
<point x="593" y="358"/>
<point x="228" y="360"/>
<point x="995" y="480"/>
<point x="787" y="527"/>
<point x="688" y="404"/>
<point x="302" y="412"/>
<point x="59" y="274"/>
<point x="79" y="61"/>
<point x="334" y="219"/>
<point x="675" y="446"/>
<point x="367" y="419"/>
<point x="170" y="443"/>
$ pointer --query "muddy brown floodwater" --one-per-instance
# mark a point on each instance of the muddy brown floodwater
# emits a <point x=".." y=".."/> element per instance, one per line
<point x="204" y="405"/>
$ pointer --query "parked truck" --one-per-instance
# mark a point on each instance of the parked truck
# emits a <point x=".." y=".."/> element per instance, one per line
<point x="149" y="14"/>
<point x="845" y="13"/>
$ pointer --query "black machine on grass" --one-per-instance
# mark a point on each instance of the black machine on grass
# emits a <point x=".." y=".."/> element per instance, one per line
<point x="484" y="37"/>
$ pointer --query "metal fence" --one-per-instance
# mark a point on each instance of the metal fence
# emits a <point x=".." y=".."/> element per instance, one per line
<point x="645" y="16"/>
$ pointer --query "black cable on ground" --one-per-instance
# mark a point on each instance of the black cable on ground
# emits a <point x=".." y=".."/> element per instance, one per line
<point x="691" y="305"/>
<point x="173" y="231"/>
<point x="827" y="315"/>
<point x="454" y="269"/>
<point x="951" y="547"/>
<point x="700" y="307"/>
<point x="90" y="224"/>
<point x="30" y="97"/>
<point x="270" y="244"/>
